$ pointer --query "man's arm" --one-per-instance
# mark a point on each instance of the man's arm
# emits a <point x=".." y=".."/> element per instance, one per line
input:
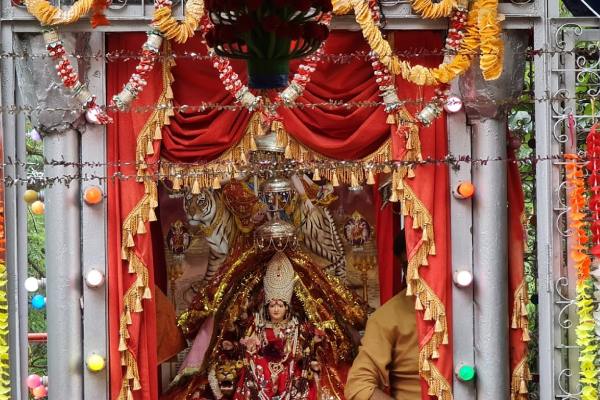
<point x="379" y="394"/>
<point x="369" y="373"/>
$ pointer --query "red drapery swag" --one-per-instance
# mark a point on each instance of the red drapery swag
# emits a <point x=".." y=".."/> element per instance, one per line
<point x="340" y="133"/>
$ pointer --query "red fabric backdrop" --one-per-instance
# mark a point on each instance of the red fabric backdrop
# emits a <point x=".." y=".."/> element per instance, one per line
<point x="342" y="133"/>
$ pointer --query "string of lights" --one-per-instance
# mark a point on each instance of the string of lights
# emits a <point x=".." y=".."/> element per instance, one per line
<point x="338" y="58"/>
<point x="191" y="170"/>
<point x="204" y="106"/>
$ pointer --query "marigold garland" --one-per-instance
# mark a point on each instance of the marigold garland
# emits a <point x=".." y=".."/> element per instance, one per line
<point x="179" y="31"/>
<point x="48" y="14"/>
<point x="448" y="70"/>
<point x="431" y="10"/>
<point x="585" y="330"/>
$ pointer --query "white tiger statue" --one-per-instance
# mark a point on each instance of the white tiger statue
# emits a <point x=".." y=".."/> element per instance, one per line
<point x="207" y="213"/>
<point x="320" y="234"/>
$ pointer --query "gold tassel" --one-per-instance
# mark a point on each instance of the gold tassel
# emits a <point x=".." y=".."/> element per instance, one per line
<point x="435" y="354"/>
<point x="196" y="186"/>
<point x="523" y="387"/>
<point x="158" y="132"/>
<point x="169" y="92"/>
<point x="122" y="344"/>
<point x="124" y="253"/>
<point x="136" y="384"/>
<point x="216" y="184"/>
<point x="426" y="366"/>
<point x="387" y="169"/>
<point x="176" y="183"/>
<point x="129" y="394"/>
<point x="147" y="293"/>
<point x="252" y="143"/>
<point x="418" y="304"/>
<point x="394" y="196"/>
<point x="128" y="317"/>
<point x="166" y="119"/>
<point x="370" y="177"/>
<point x="141" y="228"/>
<point x="138" y="305"/>
<point x="316" y="175"/>
<point x="410" y="173"/>
<point x="438" y="326"/>
<point x="409" y="288"/>
<point x="445" y="339"/>
<point x="391" y="119"/>
<point x="334" y="180"/>
<point x="288" y="152"/>
<point x="243" y="157"/>
<point x="427" y="315"/>
<point x="151" y="215"/>
<point x="354" y="180"/>
<point x="130" y="242"/>
<point x="526" y="337"/>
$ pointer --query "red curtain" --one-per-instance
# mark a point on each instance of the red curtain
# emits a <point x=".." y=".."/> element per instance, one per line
<point x="123" y="196"/>
<point x="340" y="132"/>
<point x="517" y="290"/>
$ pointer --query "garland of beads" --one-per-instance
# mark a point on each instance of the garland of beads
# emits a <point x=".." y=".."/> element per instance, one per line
<point x="150" y="52"/>
<point x="242" y="93"/>
<point x="54" y="45"/>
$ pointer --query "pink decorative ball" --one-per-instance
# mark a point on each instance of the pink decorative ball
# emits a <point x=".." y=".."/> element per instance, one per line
<point x="40" y="392"/>
<point x="33" y="381"/>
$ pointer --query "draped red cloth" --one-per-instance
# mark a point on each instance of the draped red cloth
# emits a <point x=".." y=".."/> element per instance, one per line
<point x="516" y="266"/>
<point x="336" y="132"/>
<point x="123" y="195"/>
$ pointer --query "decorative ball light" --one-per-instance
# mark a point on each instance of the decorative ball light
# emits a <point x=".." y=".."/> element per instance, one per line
<point x="38" y="207"/>
<point x="93" y="195"/>
<point x="95" y="362"/>
<point x="463" y="278"/>
<point x="33" y="284"/>
<point x="30" y="196"/>
<point x="38" y="302"/>
<point x="94" y="278"/>
<point x="34" y="381"/>
<point x="39" y="392"/>
<point x="464" y="190"/>
<point x="465" y="373"/>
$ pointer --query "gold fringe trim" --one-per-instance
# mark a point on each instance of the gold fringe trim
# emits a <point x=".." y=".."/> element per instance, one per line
<point x="135" y="224"/>
<point x="152" y="129"/>
<point x="520" y="319"/>
<point x="520" y="377"/>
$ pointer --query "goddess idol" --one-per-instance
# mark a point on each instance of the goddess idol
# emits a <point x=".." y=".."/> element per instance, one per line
<point x="284" y="332"/>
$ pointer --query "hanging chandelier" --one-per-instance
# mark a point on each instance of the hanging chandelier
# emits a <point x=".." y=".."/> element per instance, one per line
<point x="268" y="34"/>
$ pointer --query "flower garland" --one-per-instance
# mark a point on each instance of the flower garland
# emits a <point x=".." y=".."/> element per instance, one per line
<point x="431" y="10"/>
<point x="585" y="330"/>
<point x="454" y="64"/>
<point x="164" y="25"/>
<point x="48" y="14"/>
<point x="54" y="45"/>
<point x="169" y="27"/>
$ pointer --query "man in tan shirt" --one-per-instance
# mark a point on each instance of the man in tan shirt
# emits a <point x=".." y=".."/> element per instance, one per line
<point x="388" y="358"/>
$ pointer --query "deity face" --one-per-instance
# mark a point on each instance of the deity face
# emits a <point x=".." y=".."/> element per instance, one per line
<point x="277" y="310"/>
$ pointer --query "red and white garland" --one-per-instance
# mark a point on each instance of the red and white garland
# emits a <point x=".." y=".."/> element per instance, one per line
<point x="93" y="113"/>
<point x="242" y="93"/>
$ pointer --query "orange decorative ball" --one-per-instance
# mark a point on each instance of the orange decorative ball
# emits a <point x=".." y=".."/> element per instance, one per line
<point x="465" y="190"/>
<point x="93" y="195"/>
<point x="39" y="392"/>
<point x="38" y="207"/>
